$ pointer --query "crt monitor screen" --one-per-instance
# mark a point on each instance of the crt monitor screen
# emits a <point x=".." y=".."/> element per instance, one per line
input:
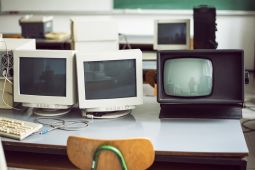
<point x="110" y="79"/>
<point x="172" y="33"/>
<point x="45" y="76"/>
<point x="188" y="77"/>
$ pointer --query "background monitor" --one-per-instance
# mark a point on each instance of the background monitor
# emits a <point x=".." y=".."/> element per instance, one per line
<point x="110" y="81"/>
<point x="201" y="83"/>
<point x="45" y="79"/>
<point x="171" y="34"/>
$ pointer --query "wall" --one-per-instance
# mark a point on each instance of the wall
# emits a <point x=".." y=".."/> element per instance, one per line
<point x="236" y="29"/>
<point x="56" y="5"/>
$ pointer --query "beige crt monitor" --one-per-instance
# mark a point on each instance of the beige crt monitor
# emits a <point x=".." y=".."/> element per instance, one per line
<point x="109" y="82"/>
<point x="45" y="79"/>
<point x="171" y="34"/>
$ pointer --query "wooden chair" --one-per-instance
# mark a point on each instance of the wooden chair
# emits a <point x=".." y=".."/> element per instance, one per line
<point x="138" y="153"/>
<point x="150" y="77"/>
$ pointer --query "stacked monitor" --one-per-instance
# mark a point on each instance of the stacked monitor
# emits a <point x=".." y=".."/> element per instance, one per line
<point x="109" y="83"/>
<point x="46" y="80"/>
<point x="172" y="34"/>
<point x="201" y="83"/>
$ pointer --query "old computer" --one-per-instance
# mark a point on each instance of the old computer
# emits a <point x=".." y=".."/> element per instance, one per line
<point x="171" y="34"/>
<point x="200" y="83"/>
<point x="45" y="80"/>
<point x="109" y="83"/>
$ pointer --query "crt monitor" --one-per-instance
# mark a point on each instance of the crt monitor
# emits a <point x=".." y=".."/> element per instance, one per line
<point x="172" y="34"/>
<point x="109" y="83"/>
<point x="200" y="83"/>
<point x="45" y="79"/>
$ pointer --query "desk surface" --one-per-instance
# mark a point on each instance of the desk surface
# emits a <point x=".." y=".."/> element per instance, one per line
<point x="186" y="137"/>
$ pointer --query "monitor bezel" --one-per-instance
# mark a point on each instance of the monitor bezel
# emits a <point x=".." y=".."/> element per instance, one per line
<point x="46" y="101"/>
<point x="111" y="104"/>
<point x="157" y="46"/>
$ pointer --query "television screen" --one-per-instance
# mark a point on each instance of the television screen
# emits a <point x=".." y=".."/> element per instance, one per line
<point x="110" y="79"/>
<point x="188" y="77"/>
<point x="172" y="33"/>
<point x="43" y="76"/>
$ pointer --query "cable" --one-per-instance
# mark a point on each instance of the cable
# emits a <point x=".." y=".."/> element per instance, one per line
<point x="3" y="93"/>
<point x="5" y="75"/>
<point x="247" y="129"/>
<point x="126" y="45"/>
<point x="6" y="92"/>
<point x="252" y="108"/>
<point x="8" y="79"/>
<point x="57" y="123"/>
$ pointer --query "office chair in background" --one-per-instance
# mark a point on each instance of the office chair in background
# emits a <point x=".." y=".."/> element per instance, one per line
<point x="131" y="154"/>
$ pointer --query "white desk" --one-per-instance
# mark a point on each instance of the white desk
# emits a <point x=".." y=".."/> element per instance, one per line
<point x="219" y="140"/>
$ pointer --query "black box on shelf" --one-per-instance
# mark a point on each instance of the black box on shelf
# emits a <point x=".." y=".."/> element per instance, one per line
<point x="36" y="26"/>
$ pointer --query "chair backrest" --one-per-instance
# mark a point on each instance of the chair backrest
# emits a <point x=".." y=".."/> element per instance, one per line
<point x="138" y="153"/>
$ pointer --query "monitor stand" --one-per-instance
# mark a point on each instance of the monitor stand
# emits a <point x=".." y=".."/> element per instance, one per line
<point x="50" y="112"/>
<point x="105" y="115"/>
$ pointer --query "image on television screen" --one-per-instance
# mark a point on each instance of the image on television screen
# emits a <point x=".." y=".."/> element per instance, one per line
<point x="110" y="79"/>
<point x="172" y="33"/>
<point x="188" y="77"/>
<point x="43" y="76"/>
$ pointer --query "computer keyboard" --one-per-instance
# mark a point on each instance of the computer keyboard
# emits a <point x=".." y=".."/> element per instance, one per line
<point x="17" y="129"/>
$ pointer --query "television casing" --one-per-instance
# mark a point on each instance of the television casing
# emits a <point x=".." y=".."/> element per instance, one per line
<point x="227" y="96"/>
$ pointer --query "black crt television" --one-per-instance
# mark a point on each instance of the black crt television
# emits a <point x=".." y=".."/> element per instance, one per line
<point x="204" y="83"/>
